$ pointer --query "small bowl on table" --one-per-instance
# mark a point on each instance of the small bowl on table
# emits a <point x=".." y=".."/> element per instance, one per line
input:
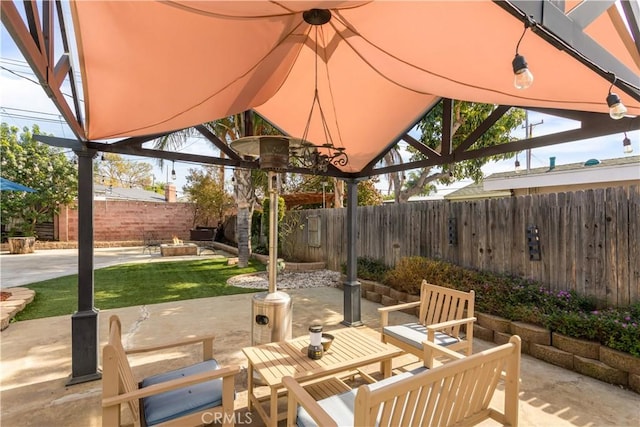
<point x="326" y="341"/>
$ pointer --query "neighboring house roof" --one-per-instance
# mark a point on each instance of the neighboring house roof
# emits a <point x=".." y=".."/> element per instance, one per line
<point x="104" y="192"/>
<point x="590" y="171"/>
<point x="475" y="190"/>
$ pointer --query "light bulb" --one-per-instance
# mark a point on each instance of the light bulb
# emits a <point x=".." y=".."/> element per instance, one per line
<point x="626" y="144"/>
<point x="617" y="110"/>
<point x="173" y="174"/>
<point x="522" y="76"/>
<point x="518" y="168"/>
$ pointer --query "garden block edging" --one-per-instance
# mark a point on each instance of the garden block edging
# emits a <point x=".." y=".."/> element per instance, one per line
<point x="585" y="357"/>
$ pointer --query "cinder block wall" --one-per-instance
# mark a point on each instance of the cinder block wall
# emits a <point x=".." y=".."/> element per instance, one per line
<point x="129" y="220"/>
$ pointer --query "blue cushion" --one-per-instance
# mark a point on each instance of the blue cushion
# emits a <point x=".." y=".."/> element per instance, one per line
<point x="414" y="334"/>
<point x="183" y="401"/>
<point x="340" y="406"/>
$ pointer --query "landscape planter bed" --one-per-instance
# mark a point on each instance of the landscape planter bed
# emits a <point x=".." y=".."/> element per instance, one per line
<point x="586" y="357"/>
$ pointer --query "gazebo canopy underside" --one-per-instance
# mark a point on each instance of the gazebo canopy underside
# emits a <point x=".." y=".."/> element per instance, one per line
<point x="150" y="68"/>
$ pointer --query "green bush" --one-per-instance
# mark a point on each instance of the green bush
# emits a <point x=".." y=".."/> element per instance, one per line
<point x="370" y="269"/>
<point x="407" y="275"/>
<point x="525" y="300"/>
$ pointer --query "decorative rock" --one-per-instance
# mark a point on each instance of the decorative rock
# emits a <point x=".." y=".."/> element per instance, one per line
<point x="413" y="298"/>
<point x="634" y="382"/>
<point x="366" y="285"/>
<point x="387" y="301"/>
<point x="381" y="289"/>
<point x="398" y="296"/>
<point x="531" y="333"/>
<point x="482" y="333"/>
<point x="599" y="370"/>
<point x="620" y="360"/>
<point x="374" y="296"/>
<point x="582" y="348"/>
<point x="501" y="337"/>
<point x="552" y="355"/>
<point x="498" y="324"/>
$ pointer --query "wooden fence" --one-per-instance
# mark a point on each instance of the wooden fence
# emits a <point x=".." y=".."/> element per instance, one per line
<point x="588" y="240"/>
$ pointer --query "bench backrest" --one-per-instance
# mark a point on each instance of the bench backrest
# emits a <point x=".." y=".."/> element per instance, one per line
<point x="439" y="304"/>
<point x="457" y="392"/>
<point x="117" y="376"/>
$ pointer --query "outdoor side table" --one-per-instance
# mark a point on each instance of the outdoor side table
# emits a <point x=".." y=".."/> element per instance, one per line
<point x="351" y="349"/>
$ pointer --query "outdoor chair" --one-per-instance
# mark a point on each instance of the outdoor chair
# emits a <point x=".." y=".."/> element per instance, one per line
<point x="150" y="241"/>
<point x="443" y="311"/>
<point x="456" y="393"/>
<point x="192" y="395"/>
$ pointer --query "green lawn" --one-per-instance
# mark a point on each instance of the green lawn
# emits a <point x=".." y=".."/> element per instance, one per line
<point x="137" y="284"/>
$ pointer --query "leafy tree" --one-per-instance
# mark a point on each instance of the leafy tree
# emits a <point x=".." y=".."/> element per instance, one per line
<point x="206" y="192"/>
<point x="368" y="194"/>
<point x="466" y="118"/>
<point x="43" y="168"/>
<point x="157" y="187"/>
<point x="114" y="170"/>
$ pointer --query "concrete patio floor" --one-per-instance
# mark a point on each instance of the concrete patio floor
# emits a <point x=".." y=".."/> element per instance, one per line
<point x="36" y="362"/>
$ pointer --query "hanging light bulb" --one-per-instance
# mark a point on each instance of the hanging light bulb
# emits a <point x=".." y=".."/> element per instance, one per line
<point x="173" y="170"/>
<point x="518" y="168"/>
<point x="617" y="110"/>
<point x="626" y="145"/>
<point x="523" y="78"/>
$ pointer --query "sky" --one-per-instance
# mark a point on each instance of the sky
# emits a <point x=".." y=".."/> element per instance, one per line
<point x="24" y="103"/>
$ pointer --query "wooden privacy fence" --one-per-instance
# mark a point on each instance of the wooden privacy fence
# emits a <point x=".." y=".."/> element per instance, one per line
<point x="587" y="240"/>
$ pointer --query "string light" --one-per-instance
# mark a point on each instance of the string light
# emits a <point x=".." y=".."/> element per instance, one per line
<point x="617" y="110"/>
<point x="626" y="145"/>
<point x="523" y="78"/>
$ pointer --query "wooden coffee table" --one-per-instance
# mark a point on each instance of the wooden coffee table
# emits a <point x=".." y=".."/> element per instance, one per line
<point x="351" y="349"/>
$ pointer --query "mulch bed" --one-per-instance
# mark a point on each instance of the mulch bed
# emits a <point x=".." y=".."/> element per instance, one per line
<point x="4" y="295"/>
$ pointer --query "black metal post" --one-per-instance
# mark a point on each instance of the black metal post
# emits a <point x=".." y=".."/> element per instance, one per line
<point x="84" y="322"/>
<point x="352" y="312"/>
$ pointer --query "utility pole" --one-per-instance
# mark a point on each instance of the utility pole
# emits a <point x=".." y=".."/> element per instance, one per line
<point x="529" y="133"/>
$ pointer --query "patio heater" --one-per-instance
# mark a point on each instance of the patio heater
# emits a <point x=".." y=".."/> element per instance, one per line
<point x="271" y="312"/>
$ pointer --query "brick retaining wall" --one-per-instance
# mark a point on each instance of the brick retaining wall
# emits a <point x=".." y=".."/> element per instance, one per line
<point x="118" y="220"/>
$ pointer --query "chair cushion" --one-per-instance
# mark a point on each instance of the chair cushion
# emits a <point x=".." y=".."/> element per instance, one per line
<point x="183" y="401"/>
<point x="415" y="333"/>
<point x="340" y="406"/>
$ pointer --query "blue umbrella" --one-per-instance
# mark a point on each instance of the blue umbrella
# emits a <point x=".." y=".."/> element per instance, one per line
<point x="6" y="185"/>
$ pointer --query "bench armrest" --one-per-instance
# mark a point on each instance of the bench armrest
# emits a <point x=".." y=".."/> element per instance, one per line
<point x="384" y="311"/>
<point x="206" y="340"/>
<point x="432" y="350"/>
<point x="450" y="323"/>
<point x="227" y="374"/>
<point x="297" y="394"/>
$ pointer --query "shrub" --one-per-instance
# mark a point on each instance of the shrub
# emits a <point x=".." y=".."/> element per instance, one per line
<point x="370" y="269"/>
<point x="408" y="274"/>
<point x="520" y="299"/>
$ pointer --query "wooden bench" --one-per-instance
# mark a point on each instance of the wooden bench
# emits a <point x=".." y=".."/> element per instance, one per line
<point x="456" y="393"/>
<point x="193" y="395"/>
<point x="442" y="313"/>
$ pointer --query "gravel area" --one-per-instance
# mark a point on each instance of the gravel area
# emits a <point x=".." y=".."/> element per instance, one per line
<point x="288" y="279"/>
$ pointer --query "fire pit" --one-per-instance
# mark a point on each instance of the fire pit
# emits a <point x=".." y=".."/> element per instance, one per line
<point x="178" y="248"/>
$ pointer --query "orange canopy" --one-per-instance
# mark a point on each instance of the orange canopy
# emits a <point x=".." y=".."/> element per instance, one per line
<point x="155" y="66"/>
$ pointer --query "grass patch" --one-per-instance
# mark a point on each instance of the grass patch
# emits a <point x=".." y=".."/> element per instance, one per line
<point x="137" y="284"/>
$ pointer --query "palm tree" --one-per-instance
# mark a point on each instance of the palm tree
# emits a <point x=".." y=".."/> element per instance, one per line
<point x="245" y="181"/>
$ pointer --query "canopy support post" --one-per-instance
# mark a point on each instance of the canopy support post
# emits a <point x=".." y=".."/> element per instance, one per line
<point x="351" y="288"/>
<point x="84" y="322"/>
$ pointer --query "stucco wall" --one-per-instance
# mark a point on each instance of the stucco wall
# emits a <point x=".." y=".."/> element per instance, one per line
<point x="129" y="220"/>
